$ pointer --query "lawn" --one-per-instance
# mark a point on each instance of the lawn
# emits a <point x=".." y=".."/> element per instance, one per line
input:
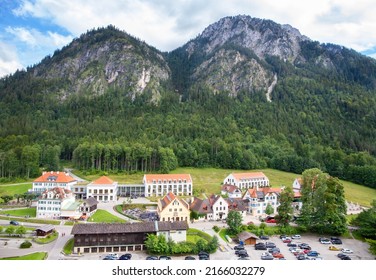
<point x="12" y="189"/>
<point x="34" y="256"/>
<point x="30" y="212"/>
<point x="102" y="216"/>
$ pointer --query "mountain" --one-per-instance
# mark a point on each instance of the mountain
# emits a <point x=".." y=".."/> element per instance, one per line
<point x="101" y="59"/>
<point x="246" y="93"/>
<point x="247" y="54"/>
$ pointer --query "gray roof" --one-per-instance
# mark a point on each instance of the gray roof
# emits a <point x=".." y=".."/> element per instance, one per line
<point x="46" y="228"/>
<point x="246" y="235"/>
<point x="90" y="201"/>
<point x="101" y="228"/>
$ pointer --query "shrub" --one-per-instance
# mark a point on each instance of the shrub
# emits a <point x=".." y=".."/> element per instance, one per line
<point x="25" y="245"/>
<point x="216" y="228"/>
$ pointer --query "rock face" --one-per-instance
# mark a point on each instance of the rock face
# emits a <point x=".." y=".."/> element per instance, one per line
<point x="229" y="55"/>
<point x="102" y="59"/>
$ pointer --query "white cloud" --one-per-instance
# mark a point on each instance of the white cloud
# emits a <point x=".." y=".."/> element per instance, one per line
<point x="9" y="61"/>
<point x="37" y="39"/>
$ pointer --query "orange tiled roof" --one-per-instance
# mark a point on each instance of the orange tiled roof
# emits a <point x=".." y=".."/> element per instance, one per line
<point x="150" y="177"/>
<point x="55" y="176"/>
<point x="249" y="175"/>
<point x="104" y="180"/>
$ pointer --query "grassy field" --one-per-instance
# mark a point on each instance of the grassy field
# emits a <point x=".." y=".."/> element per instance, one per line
<point x="102" y="216"/>
<point x="12" y="189"/>
<point x="33" y="256"/>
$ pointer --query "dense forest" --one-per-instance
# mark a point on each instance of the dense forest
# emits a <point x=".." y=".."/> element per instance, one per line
<point x="316" y="119"/>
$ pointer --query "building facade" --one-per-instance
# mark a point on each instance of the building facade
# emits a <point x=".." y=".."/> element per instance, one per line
<point x="162" y="184"/>
<point x="53" y="201"/>
<point x="53" y="179"/>
<point x="259" y="199"/>
<point x="247" y="180"/>
<point x="103" y="189"/>
<point x="172" y="208"/>
<point x="123" y="237"/>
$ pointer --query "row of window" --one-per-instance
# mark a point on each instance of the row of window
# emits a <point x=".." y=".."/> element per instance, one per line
<point x="100" y="191"/>
<point x="41" y="208"/>
<point x="49" y="202"/>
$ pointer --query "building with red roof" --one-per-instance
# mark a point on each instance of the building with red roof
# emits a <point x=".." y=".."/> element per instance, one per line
<point x="260" y="198"/>
<point x="172" y="208"/>
<point x="53" y="179"/>
<point x="247" y="180"/>
<point x="103" y="189"/>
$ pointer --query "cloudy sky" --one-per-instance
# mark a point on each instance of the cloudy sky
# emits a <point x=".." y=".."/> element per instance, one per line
<point x="33" y="29"/>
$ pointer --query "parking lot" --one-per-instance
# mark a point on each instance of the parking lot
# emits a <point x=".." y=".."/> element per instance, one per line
<point x="360" y="250"/>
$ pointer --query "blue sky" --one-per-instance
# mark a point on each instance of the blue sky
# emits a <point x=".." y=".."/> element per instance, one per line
<point x="33" y="29"/>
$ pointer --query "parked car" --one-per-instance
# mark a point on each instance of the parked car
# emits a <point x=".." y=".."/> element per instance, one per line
<point x="125" y="257"/>
<point x="282" y="236"/>
<point x="113" y="255"/>
<point x="346" y="258"/>
<point x="301" y="257"/>
<point x="347" y="251"/>
<point x="273" y="250"/>
<point x="203" y="256"/>
<point x="292" y="245"/>
<point x="304" y="246"/>
<point x="267" y="256"/>
<point x="15" y="223"/>
<point x="334" y="248"/>
<point x="264" y="237"/>
<point x="296" y="236"/>
<point x="336" y="240"/>
<point x="152" y="258"/>
<point x="286" y="240"/>
<point x="239" y="252"/>
<point x="189" y="258"/>
<point x="312" y="254"/>
<point x="164" y="258"/>
<point x="270" y="245"/>
<point x="243" y="254"/>
<point x="260" y="246"/>
<point x="341" y="255"/>
<point x="239" y="247"/>
<point x="270" y="221"/>
<point x="278" y="255"/>
<point x="109" y="257"/>
<point x="325" y="241"/>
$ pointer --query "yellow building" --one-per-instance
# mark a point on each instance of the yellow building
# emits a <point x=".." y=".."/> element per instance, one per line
<point x="172" y="208"/>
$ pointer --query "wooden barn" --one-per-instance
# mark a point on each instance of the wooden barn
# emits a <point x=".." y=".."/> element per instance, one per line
<point x="247" y="238"/>
<point x="45" y="230"/>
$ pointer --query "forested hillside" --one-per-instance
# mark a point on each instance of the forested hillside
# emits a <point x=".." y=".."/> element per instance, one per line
<point x="320" y="114"/>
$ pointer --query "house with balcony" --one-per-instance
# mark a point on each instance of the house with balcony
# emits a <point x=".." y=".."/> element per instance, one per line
<point x="213" y="208"/>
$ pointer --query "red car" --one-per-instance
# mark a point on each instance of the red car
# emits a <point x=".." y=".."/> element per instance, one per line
<point x="278" y="255"/>
<point x="270" y="221"/>
<point x="286" y="240"/>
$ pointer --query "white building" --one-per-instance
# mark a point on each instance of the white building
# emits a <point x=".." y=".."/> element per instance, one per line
<point x="260" y="198"/>
<point x="214" y="208"/>
<point x="231" y="191"/>
<point x="247" y="180"/>
<point x="53" y="179"/>
<point x="53" y="202"/>
<point x="102" y="189"/>
<point x="162" y="184"/>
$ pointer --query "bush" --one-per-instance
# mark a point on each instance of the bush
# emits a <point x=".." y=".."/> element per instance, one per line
<point x="216" y="228"/>
<point x="25" y="245"/>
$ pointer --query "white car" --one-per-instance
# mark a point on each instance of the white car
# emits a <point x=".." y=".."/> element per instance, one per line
<point x="347" y="251"/>
<point x="325" y="241"/>
<point x="296" y="236"/>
